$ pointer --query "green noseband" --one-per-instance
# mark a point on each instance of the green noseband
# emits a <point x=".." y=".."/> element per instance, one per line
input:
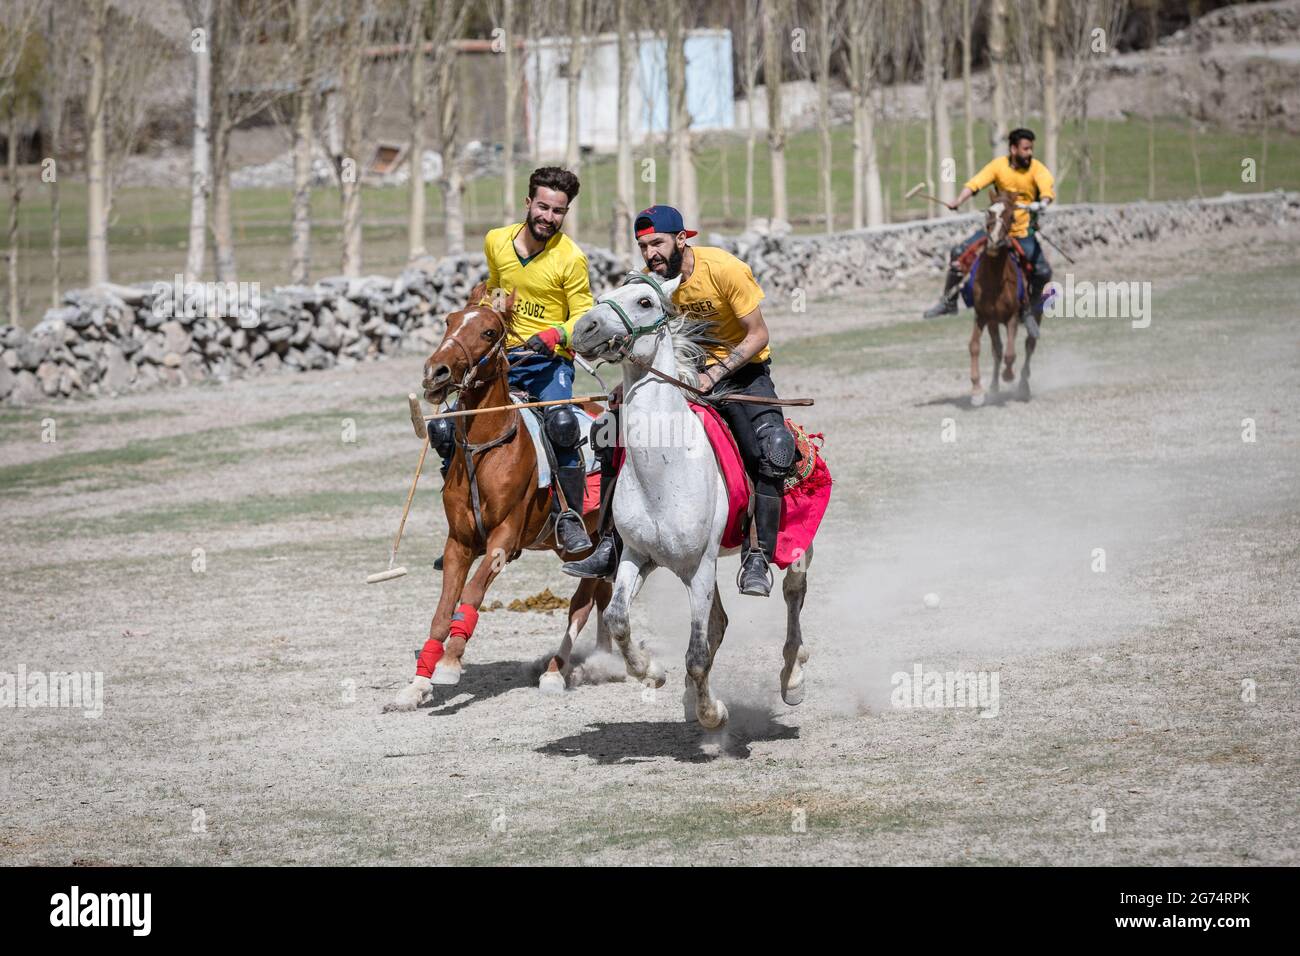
<point x="636" y="331"/>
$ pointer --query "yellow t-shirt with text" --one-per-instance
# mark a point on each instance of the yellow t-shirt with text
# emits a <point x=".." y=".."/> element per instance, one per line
<point x="720" y="290"/>
<point x="1027" y="185"/>
<point x="552" y="289"/>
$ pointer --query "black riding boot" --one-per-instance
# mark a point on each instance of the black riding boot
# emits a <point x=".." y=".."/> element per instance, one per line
<point x="569" y="532"/>
<point x="754" y="577"/>
<point x="603" y="561"/>
<point x="947" y="304"/>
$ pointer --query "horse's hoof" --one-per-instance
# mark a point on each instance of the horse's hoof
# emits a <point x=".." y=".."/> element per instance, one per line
<point x="655" y="675"/>
<point x="445" y="675"/>
<point x="410" y="696"/>
<point x="1023" y="394"/>
<point x="717" y="718"/>
<point x="792" y="693"/>
<point x="1008" y="375"/>
<point x="977" y="400"/>
<point x="551" y="682"/>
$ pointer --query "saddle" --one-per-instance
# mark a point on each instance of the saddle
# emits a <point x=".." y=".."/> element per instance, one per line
<point x="968" y="264"/>
<point x="807" y="491"/>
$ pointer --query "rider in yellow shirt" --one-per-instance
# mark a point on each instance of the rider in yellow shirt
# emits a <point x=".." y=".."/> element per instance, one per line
<point x="547" y="273"/>
<point x="1020" y="174"/>
<point x="719" y="289"/>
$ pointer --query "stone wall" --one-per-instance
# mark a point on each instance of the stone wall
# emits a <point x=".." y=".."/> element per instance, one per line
<point x="872" y="259"/>
<point x="123" y="338"/>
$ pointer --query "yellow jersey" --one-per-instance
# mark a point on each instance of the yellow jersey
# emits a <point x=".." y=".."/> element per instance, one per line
<point x="1027" y="185"/>
<point x="552" y="288"/>
<point x="720" y="290"/>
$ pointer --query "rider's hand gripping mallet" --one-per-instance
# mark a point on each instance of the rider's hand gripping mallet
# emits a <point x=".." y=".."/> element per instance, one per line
<point x="417" y="422"/>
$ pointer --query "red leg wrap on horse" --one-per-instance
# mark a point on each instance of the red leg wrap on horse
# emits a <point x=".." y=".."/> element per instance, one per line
<point x="429" y="657"/>
<point x="464" y="621"/>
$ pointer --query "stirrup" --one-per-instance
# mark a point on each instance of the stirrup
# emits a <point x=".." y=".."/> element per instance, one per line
<point x="754" y="591"/>
<point x="574" y="519"/>
<point x="944" y="306"/>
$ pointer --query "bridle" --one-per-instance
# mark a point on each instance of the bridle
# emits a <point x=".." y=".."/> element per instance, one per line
<point x="623" y="343"/>
<point x="471" y="379"/>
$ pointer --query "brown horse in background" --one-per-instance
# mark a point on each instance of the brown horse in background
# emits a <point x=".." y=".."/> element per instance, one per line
<point x="515" y="512"/>
<point x="997" y="303"/>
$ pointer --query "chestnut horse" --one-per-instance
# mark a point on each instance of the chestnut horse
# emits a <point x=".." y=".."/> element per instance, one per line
<point x="997" y="302"/>
<point x="494" y="466"/>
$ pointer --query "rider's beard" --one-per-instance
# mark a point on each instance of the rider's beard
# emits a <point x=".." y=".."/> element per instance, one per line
<point x="539" y="230"/>
<point x="1021" y="162"/>
<point x="673" y="266"/>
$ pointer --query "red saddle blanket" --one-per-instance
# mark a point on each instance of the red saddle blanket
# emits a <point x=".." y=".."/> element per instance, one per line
<point x="804" y="503"/>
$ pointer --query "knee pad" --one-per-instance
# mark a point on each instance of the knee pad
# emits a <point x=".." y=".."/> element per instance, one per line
<point x="562" y="426"/>
<point x="442" y="436"/>
<point x="777" y="449"/>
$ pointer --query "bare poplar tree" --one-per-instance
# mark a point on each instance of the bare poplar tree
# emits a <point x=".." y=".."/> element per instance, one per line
<point x="19" y="101"/>
<point x="773" y="42"/>
<point x="625" y="198"/>
<point x="935" y="55"/>
<point x="998" y="68"/>
<point x="509" y="201"/>
<point x="419" y="116"/>
<point x="576" y="49"/>
<point x="199" y="13"/>
<point x="827" y="34"/>
<point x="1051" y="118"/>
<point x="682" y="187"/>
<point x="862" y="51"/>
<point x="748" y="80"/>
<point x="967" y="99"/>
<point x="97" y="146"/>
<point x="304" y="54"/>
<point x="448" y="25"/>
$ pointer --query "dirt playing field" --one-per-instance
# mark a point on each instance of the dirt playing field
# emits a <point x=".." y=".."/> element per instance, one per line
<point x="1115" y="553"/>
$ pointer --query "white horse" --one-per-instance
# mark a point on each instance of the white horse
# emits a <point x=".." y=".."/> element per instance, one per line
<point x="670" y="504"/>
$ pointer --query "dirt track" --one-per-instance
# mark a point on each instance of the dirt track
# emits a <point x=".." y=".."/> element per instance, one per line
<point x="251" y="690"/>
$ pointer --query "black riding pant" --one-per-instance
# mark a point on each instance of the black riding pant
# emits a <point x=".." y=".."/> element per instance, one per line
<point x="744" y="418"/>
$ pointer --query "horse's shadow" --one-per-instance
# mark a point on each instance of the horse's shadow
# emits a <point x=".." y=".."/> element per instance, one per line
<point x="643" y="740"/>
<point x="991" y="399"/>
<point x="481" y="682"/>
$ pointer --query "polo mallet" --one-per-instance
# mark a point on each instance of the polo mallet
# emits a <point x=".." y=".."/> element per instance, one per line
<point x="917" y="189"/>
<point x="421" y="432"/>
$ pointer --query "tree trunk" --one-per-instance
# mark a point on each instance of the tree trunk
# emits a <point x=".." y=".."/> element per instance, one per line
<point x="773" y="35"/>
<point x="300" y="258"/>
<point x="201" y="152"/>
<point x="223" y="236"/>
<point x="509" y="201"/>
<point x="97" y="151"/>
<point x="1051" y="119"/>
<point x="15" y="198"/>
<point x="573" y="149"/>
<point x="966" y="87"/>
<point x="998" y="69"/>
<point x="625" y="198"/>
<point x="934" y="75"/>
<point x="825" y="156"/>
<point x="55" y="102"/>
<point x="452" y="182"/>
<point x="350" y="181"/>
<point x="415" y="155"/>
<point x="682" y="188"/>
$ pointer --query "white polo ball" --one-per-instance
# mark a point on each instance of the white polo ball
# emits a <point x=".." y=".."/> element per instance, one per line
<point x="931" y="600"/>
